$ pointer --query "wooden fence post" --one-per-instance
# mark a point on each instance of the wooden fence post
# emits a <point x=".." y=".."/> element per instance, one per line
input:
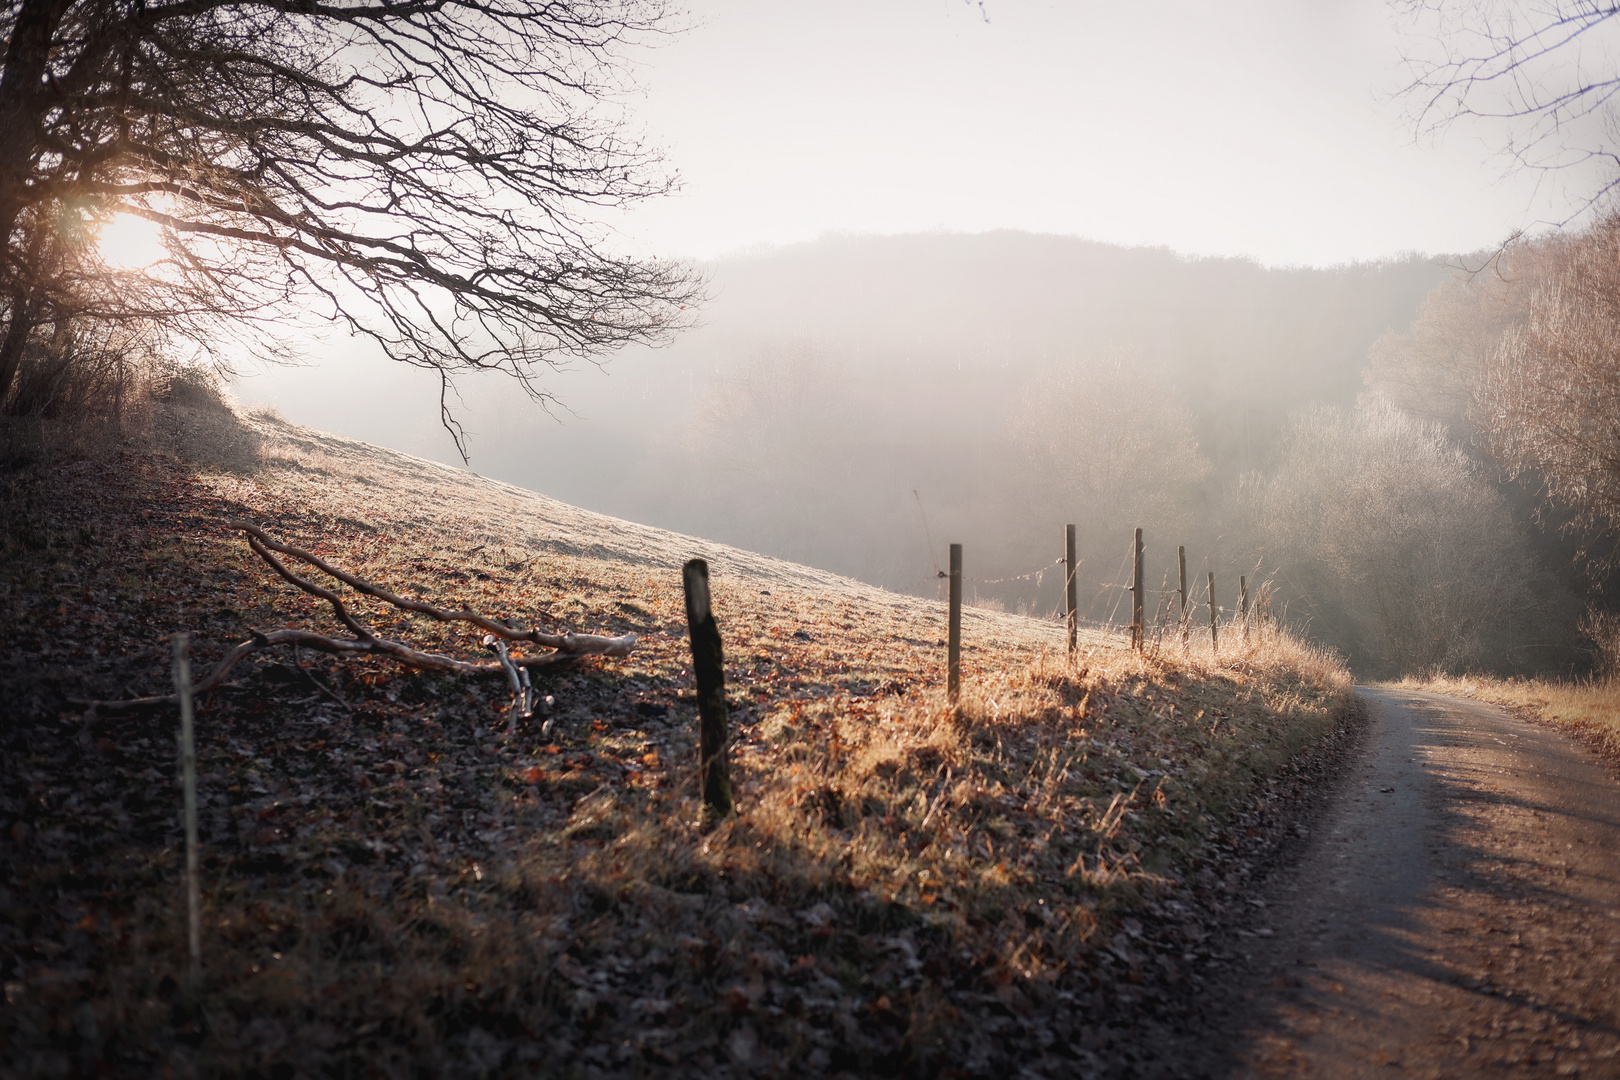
<point x="1138" y="628"/>
<point x="1243" y="604"/>
<point x="953" y="653"/>
<point x="1181" y="564"/>
<point x="188" y="780"/>
<point x="709" y="671"/>
<point x="1214" y="641"/>
<point x="1070" y="595"/>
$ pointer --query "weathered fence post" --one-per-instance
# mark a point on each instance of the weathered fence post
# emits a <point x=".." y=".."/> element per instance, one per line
<point x="1214" y="641"/>
<point x="1181" y="564"/>
<point x="1138" y="628"/>
<point x="188" y="781"/>
<point x="708" y="670"/>
<point x="1070" y="596"/>
<point x="1243" y="604"/>
<point x="953" y="652"/>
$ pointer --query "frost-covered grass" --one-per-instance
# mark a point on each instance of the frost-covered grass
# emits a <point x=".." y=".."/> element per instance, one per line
<point x="394" y="882"/>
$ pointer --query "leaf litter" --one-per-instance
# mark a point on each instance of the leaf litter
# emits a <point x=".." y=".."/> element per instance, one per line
<point x="396" y="883"/>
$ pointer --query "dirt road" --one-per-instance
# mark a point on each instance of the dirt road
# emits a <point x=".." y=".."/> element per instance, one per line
<point x="1456" y="915"/>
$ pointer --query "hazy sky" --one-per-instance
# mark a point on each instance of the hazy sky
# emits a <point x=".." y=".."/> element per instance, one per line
<point x="1260" y="128"/>
<point x="1266" y="128"/>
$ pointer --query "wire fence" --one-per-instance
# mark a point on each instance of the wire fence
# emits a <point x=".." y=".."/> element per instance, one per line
<point x="1162" y="601"/>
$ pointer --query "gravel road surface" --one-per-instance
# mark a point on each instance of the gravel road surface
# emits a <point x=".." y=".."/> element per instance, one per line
<point x="1457" y="913"/>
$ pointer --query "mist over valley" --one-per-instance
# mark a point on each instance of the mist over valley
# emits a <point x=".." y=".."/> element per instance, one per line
<point x="858" y="402"/>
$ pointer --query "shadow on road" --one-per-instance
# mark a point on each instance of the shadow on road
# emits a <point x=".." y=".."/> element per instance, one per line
<point x="1453" y="917"/>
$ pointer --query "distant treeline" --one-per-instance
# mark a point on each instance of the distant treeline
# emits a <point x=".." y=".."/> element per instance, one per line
<point x="860" y="402"/>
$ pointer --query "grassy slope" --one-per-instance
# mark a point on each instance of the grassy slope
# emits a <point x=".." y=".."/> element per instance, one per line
<point x="393" y="882"/>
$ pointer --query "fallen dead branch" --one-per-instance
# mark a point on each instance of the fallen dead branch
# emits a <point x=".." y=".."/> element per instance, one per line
<point x="566" y="648"/>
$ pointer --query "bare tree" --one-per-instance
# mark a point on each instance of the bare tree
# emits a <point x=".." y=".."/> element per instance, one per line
<point x="426" y="174"/>
<point x="1388" y="538"/>
<point x="1544" y="71"/>
<point x="1549" y="403"/>
<point x="1433" y="369"/>
<point x="1546" y="402"/>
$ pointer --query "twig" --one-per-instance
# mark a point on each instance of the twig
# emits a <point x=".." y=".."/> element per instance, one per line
<point x="322" y="687"/>
<point x="938" y="799"/>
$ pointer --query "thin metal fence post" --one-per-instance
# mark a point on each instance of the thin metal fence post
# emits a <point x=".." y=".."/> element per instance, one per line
<point x="1243" y="604"/>
<point x="953" y="654"/>
<point x="188" y="780"/>
<point x="1181" y="563"/>
<point x="1070" y="595"/>
<point x="1138" y="628"/>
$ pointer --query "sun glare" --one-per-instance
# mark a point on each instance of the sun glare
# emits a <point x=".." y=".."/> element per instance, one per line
<point x="128" y="242"/>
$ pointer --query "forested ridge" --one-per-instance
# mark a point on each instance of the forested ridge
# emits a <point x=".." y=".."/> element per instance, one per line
<point x="857" y="402"/>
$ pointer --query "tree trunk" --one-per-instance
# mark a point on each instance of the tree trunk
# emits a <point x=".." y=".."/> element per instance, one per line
<point x="22" y="98"/>
<point x="11" y="346"/>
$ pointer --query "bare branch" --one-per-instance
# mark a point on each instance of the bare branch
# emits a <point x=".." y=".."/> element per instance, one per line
<point x="565" y="642"/>
<point x="568" y="647"/>
<point x="1546" y="74"/>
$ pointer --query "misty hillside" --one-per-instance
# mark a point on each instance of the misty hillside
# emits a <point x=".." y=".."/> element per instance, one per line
<point x="828" y="382"/>
<point x="401" y="871"/>
<point x="369" y="489"/>
<point x="859" y="403"/>
<point x="938" y="332"/>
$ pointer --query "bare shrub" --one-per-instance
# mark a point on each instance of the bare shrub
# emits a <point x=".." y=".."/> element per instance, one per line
<point x="85" y="371"/>
<point x="92" y="401"/>
<point x="194" y="418"/>
<point x="1602" y="629"/>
